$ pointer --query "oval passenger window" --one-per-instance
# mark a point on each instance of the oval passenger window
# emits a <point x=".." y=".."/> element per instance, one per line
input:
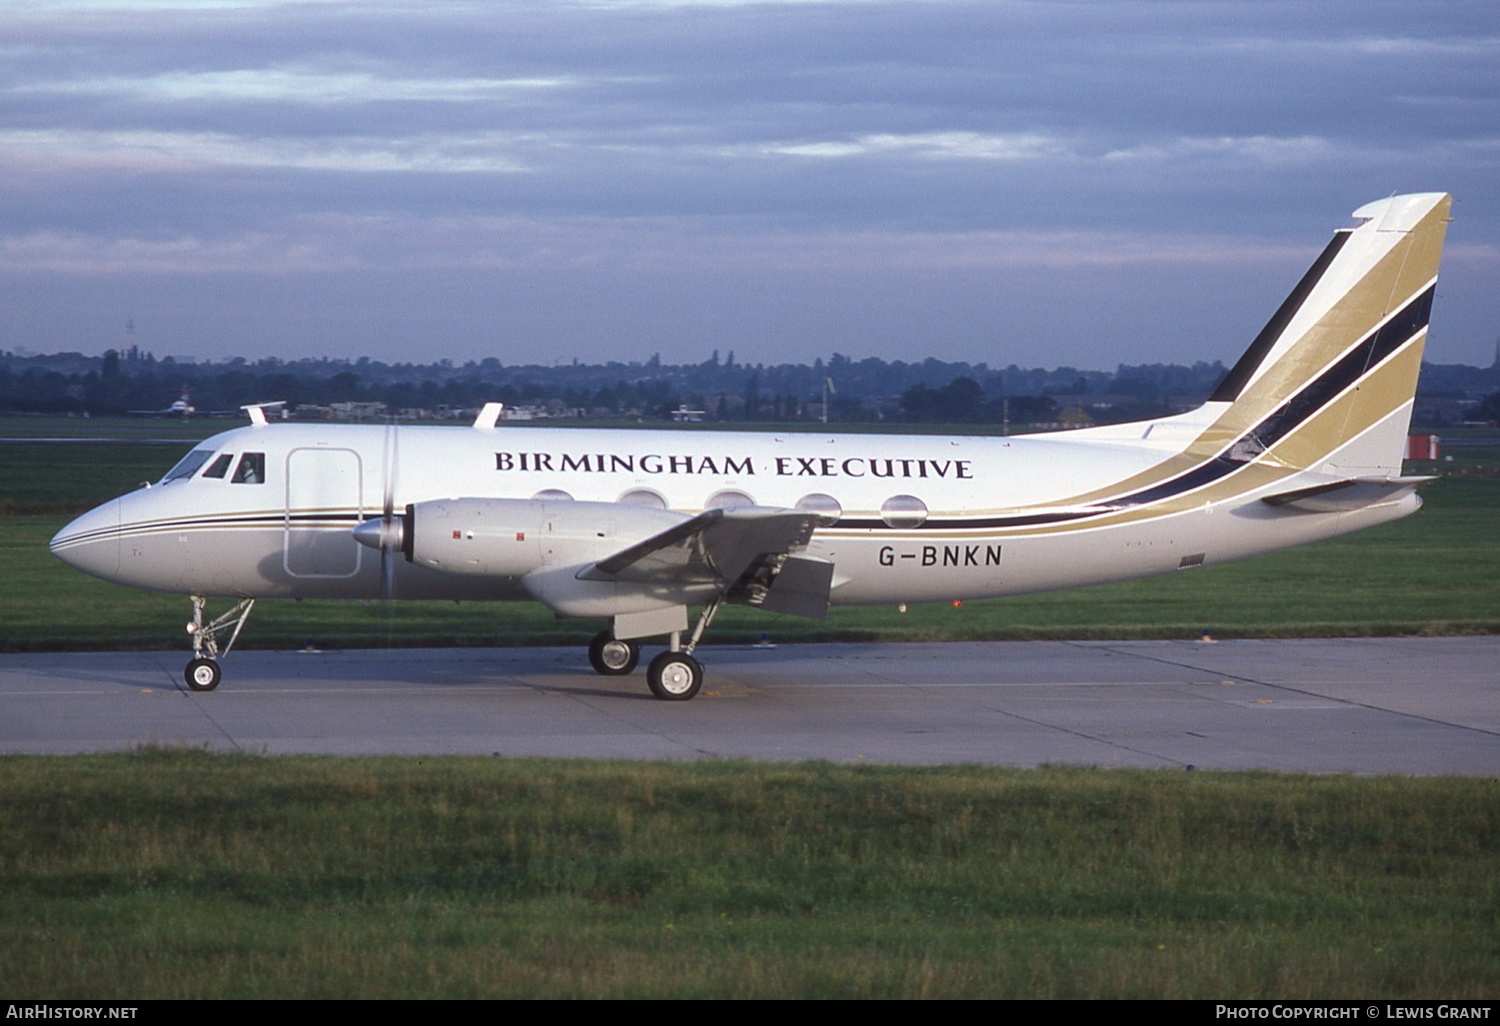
<point x="903" y="511"/>
<point x="728" y="499"/>
<point x="825" y="506"/>
<point x="643" y="497"/>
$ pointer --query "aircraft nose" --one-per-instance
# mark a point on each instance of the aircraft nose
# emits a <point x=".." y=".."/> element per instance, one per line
<point x="91" y="543"/>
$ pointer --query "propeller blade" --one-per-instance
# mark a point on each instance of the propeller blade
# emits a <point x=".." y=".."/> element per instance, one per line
<point x="387" y="576"/>
<point x="390" y="472"/>
<point x="391" y="527"/>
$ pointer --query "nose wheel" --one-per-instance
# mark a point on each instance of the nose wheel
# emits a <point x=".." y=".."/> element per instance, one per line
<point x="202" y="675"/>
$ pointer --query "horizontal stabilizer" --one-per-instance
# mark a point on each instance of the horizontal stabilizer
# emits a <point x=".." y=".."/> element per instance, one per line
<point x="1346" y="495"/>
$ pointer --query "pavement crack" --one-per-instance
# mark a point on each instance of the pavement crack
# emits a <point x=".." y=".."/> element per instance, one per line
<point x="201" y="707"/>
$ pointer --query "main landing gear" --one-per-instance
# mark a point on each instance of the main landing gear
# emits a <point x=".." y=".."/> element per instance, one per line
<point x="202" y="673"/>
<point x="613" y="658"/>
<point x="673" y="676"/>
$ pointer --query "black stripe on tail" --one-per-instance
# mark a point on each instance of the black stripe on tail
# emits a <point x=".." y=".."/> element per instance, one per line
<point x="1234" y="382"/>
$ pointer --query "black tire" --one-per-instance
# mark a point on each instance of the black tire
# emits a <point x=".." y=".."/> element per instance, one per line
<point x="202" y="675"/>
<point x="675" y="676"/>
<point x="613" y="658"/>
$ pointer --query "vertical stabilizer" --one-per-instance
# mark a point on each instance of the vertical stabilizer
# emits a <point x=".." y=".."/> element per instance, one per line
<point x="1328" y="384"/>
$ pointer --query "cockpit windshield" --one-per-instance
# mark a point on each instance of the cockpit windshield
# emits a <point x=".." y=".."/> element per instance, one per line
<point x="188" y="465"/>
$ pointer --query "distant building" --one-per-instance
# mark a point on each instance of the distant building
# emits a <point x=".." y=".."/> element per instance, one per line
<point x="357" y="411"/>
<point x="1073" y="417"/>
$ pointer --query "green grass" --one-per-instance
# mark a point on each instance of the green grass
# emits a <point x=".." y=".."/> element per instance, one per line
<point x="182" y="874"/>
<point x="24" y="426"/>
<point x="70" y="478"/>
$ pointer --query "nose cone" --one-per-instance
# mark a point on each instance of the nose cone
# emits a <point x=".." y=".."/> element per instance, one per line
<point x="91" y="543"/>
<point x="378" y="533"/>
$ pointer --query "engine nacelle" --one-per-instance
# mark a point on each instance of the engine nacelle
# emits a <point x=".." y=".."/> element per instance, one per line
<point x="513" y="537"/>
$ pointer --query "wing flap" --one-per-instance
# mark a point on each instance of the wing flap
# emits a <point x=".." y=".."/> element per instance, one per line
<point x="800" y="588"/>
<point x="738" y="549"/>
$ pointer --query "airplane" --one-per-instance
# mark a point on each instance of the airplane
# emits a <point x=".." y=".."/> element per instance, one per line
<point x="182" y="407"/>
<point x="1301" y="441"/>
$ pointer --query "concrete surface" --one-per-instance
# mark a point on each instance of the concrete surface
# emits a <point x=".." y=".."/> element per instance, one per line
<point x="1376" y="705"/>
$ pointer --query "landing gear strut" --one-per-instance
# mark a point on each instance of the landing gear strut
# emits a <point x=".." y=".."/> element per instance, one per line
<point x="203" y="673"/>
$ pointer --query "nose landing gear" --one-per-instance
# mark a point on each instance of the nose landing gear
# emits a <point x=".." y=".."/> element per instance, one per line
<point x="202" y="673"/>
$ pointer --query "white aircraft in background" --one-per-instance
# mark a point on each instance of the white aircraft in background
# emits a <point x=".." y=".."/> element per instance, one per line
<point x="182" y="407"/>
<point x="1302" y="441"/>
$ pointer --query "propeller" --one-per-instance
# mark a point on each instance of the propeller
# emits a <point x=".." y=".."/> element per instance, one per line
<point x="386" y="532"/>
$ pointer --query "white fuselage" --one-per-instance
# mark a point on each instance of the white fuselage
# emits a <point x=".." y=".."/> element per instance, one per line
<point x="1002" y="515"/>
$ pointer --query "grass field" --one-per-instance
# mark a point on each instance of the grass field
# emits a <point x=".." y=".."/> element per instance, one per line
<point x="182" y="874"/>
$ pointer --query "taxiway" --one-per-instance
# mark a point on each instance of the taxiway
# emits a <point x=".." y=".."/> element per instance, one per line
<point x="1371" y="705"/>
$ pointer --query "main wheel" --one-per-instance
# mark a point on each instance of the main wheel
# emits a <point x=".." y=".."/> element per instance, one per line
<point x="202" y="675"/>
<point x="674" y="676"/>
<point x="613" y="658"/>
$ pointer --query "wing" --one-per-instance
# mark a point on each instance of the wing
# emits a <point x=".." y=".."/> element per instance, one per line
<point x="751" y="554"/>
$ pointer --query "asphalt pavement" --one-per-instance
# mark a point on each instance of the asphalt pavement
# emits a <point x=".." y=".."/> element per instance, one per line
<point x="1365" y="705"/>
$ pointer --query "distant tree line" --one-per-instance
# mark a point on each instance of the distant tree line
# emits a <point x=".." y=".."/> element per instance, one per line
<point x="864" y="390"/>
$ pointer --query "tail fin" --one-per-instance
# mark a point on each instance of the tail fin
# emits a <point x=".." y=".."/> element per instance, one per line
<point x="1328" y="384"/>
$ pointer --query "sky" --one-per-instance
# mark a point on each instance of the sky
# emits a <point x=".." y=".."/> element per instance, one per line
<point x="1057" y="183"/>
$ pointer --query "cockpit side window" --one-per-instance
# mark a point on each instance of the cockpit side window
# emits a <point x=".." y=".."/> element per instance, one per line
<point x="219" y="467"/>
<point x="251" y="470"/>
<point x="188" y="465"/>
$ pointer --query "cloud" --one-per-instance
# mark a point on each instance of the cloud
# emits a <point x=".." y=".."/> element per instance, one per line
<point x="1440" y="47"/>
<point x="337" y="244"/>
<point x="290" y="86"/>
<point x="931" y="146"/>
<point x="177" y="137"/>
<point x="491" y="153"/>
<point x="1255" y="149"/>
<point x="81" y="254"/>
